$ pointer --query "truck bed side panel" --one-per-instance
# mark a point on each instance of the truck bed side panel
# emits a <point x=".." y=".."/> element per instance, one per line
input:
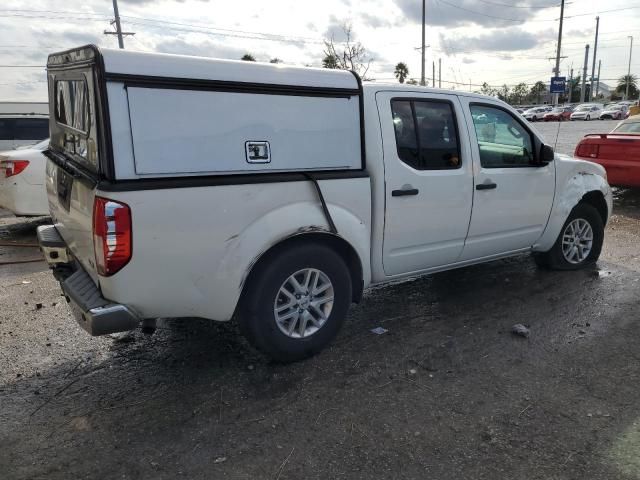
<point x="192" y="247"/>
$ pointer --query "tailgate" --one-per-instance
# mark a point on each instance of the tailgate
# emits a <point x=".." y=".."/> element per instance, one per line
<point x="71" y="207"/>
<point x="76" y="149"/>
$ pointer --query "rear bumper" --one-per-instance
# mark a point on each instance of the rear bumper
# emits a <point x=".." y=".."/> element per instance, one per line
<point x="620" y="173"/>
<point x="93" y="312"/>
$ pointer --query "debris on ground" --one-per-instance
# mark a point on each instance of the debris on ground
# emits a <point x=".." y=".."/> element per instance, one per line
<point x="520" y="330"/>
<point x="379" y="330"/>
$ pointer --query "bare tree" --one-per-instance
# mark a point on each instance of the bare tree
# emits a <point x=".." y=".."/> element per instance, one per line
<point x="347" y="55"/>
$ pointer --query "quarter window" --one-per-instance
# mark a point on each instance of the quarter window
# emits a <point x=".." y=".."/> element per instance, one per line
<point x="426" y="134"/>
<point x="502" y="140"/>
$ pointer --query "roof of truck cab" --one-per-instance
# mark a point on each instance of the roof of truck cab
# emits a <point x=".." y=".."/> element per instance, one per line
<point x="203" y="68"/>
<point x="407" y="88"/>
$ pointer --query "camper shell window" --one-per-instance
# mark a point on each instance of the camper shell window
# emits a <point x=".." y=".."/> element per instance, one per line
<point x="72" y="104"/>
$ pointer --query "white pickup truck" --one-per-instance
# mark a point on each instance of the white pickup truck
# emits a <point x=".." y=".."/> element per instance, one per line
<point x="274" y="195"/>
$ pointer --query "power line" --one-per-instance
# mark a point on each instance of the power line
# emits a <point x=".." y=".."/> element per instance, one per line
<point x="519" y="6"/>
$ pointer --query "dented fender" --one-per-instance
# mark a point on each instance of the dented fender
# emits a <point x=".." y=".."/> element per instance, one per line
<point x="574" y="179"/>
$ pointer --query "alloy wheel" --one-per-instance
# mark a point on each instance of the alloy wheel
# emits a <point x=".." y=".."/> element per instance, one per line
<point x="577" y="241"/>
<point x="303" y="303"/>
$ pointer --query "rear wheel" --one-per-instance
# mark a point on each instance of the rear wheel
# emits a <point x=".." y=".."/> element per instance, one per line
<point x="579" y="243"/>
<point x="296" y="302"/>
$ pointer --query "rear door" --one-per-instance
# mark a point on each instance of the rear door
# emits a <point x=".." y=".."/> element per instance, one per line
<point x="74" y="165"/>
<point x="513" y="192"/>
<point x="428" y="180"/>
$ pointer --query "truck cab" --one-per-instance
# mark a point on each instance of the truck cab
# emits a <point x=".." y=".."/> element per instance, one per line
<point x="182" y="187"/>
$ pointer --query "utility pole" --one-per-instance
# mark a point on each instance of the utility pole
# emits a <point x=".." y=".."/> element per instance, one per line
<point x="440" y="72"/>
<point x="118" y="31"/>
<point x="557" y="69"/>
<point x="571" y="86"/>
<point x="598" y="79"/>
<point x="595" y="52"/>
<point x="584" y="73"/>
<point x="433" y="78"/>
<point x="422" y="81"/>
<point x="626" y="95"/>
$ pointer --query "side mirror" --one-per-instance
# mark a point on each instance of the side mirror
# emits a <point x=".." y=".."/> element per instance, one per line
<point x="546" y="154"/>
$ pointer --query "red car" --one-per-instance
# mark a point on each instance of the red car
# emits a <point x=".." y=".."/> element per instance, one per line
<point x="558" y="114"/>
<point x="618" y="152"/>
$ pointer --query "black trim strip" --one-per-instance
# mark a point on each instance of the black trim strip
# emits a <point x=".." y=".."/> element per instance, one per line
<point x="178" y="83"/>
<point x="220" y="180"/>
<point x="72" y="168"/>
<point x="363" y="153"/>
<point x="327" y="214"/>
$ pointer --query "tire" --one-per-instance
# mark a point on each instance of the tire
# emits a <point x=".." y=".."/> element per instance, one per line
<point x="556" y="258"/>
<point x="264" y="291"/>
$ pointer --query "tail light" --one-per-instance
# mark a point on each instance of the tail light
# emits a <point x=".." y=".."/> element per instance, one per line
<point x="111" y="235"/>
<point x="588" y="150"/>
<point x="13" y="167"/>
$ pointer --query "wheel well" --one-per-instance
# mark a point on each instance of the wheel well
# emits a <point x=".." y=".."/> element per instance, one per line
<point x="339" y="245"/>
<point x="596" y="199"/>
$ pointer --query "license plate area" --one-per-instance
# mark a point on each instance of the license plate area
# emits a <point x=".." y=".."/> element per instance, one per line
<point x="64" y="186"/>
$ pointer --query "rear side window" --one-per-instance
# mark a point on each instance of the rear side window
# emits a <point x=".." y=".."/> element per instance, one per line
<point x="426" y="134"/>
<point x="31" y="128"/>
<point x="24" y="128"/>
<point x="72" y="104"/>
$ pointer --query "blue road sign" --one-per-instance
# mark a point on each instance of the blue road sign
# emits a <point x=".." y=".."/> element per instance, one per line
<point x="557" y="84"/>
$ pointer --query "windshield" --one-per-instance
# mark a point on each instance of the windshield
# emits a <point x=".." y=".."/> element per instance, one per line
<point x="583" y="108"/>
<point x="633" y="127"/>
<point x="615" y="107"/>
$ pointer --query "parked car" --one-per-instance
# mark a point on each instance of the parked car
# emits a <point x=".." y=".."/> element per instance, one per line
<point x="535" y="114"/>
<point x="618" y="152"/>
<point x="558" y="114"/>
<point x="276" y="203"/>
<point x="22" y="129"/>
<point x="586" y="111"/>
<point x="615" y="112"/>
<point x="22" y="173"/>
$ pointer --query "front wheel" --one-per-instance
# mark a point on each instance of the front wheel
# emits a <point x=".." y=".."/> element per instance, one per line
<point x="295" y="302"/>
<point x="579" y="243"/>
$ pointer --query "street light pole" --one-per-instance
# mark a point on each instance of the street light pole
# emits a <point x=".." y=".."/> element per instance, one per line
<point x="626" y="95"/>
<point x="422" y="80"/>
<point x="595" y="53"/>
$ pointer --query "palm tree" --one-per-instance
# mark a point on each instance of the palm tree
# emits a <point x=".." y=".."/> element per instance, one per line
<point x="401" y="72"/>
<point x="632" y="81"/>
<point x="247" y="57"/>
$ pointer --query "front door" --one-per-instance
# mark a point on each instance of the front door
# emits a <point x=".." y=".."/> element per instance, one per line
<point x="513" y="192"/>
<point x="428" y="180"/>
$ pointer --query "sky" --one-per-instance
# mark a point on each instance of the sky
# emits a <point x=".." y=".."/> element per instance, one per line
<point x="493" y="41"/>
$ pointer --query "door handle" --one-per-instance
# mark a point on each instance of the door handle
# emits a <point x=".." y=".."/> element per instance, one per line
<point x="486" y="186"/>
<point x="404" y="192"/>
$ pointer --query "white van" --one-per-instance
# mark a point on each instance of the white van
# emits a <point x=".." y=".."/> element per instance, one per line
<point x="23" y="123"/>
<point x="272" y="195"/>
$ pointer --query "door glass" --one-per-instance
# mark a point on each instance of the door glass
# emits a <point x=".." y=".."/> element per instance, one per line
<point x="503" y="142"/>
<point x="426" y="134"/>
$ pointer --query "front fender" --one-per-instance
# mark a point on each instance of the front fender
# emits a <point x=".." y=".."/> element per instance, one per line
<point x="574" y="179"/>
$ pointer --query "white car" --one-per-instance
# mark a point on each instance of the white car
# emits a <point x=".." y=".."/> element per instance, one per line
<point x="615" y="112"/>
<point x="275" y="204"/>
<point x="586" y="111"/>
<point x="22" y="129"/>
<point x="534" y="114"/>
<point x="22" y="174"/>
